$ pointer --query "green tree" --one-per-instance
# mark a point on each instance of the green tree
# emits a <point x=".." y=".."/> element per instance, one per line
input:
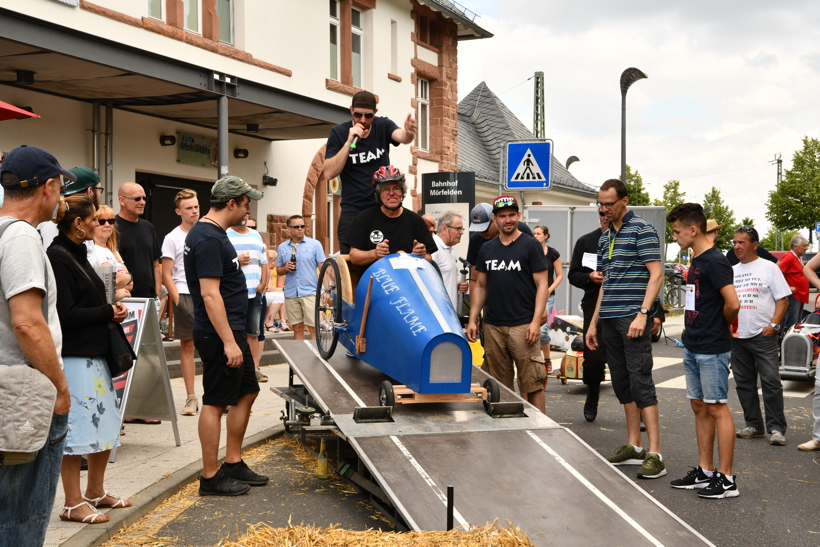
<point x="747" y="221"/>
<point x="795" y="201"/>
<point x="718" y="210"/>
<point x="634" y="185"/>
<point x="672" y="197"/>
<point x="775" y="241"/>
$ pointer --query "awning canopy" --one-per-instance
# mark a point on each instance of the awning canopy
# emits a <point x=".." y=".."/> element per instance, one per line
<point x="87" y="68"/>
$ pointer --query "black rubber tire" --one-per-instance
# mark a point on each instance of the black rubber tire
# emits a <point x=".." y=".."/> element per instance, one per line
<point x="386" y="395"/>
<point x="563" y="380"/>
<point x="493" y="392"/>
<point x="328" y="310"/>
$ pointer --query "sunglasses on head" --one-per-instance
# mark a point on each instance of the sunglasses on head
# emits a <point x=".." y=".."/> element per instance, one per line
<point x="104" y="221"/>
<point x="365" y="115"/>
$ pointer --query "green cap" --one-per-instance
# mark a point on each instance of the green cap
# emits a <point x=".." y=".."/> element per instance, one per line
<point x="86" y="178"/>
<point x="232" y="187"/>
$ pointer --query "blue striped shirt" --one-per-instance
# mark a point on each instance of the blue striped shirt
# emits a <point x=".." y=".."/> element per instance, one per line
<point x="252" y="244"/>
<point x="622" y="257"/>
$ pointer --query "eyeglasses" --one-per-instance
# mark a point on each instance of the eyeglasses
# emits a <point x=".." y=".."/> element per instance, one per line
<point x="104" y="221"/>
<point x="365" y="115"/>
<point x="137" y="199"/>
<point x="607" y="205"/>
<point x="99" y="188"/>
<point x="459" y="230"/>
<point x="298" y="226"/>
<point x="391" y="190"/>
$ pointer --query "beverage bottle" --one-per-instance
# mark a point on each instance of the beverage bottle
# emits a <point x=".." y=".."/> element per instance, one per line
<point x="293" y="258"/>
<point x="321" y="470"/>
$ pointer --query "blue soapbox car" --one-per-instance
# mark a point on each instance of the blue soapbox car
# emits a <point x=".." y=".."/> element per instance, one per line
<point x="396" y="316"/>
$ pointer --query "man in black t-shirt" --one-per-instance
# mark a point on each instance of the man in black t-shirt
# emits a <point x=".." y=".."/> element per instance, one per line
<point x="388" y="227"/>
<point x="220" y="296"/>
<point x="511" y="287"/>
<point x="138" y="244"/>
<point x="484" y="230"/>
<point x="711" y="308"/>
<point x="355" y="162"/>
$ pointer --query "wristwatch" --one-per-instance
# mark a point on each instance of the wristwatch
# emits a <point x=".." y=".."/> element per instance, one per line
<point x="775" y="326"/>
<point x="644" y="311"/>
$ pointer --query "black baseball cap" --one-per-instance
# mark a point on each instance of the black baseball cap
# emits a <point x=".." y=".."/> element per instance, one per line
<point x="33" y="166"/>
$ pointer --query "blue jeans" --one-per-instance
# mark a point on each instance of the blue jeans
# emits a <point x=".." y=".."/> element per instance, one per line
<point x="707" y="376"/>
<point x="253" y="319"/>
<point x="794" y="313"/>
<point x="27" y="491"/>
<point x="545" y="328"/>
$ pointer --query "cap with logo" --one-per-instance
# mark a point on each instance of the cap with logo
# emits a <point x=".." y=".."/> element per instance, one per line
<point x="480" y="217"/>
<point x="86" y="178"/>
<point x="504" y="202"/>
<point x="33" y="166"/>
<point x="232" y="187"/>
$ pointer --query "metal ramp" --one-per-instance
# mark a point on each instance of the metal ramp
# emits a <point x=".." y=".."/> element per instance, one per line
<point x="504" y="468"/>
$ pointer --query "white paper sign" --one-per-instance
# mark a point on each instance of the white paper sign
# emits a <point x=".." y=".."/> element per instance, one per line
<point x="690" y="298"/>
<point x="590" y="261"/>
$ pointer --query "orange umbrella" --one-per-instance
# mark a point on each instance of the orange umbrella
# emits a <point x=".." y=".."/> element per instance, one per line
<point x="10" y="112"/>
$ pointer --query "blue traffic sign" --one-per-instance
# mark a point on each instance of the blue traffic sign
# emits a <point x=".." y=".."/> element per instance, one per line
<point x="817" y="226"/>
<point x="529" y="165"/>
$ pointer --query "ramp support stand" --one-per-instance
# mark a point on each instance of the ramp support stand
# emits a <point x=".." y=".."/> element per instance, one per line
<point x="361" y="346"/>
<point x="449" y="508"/>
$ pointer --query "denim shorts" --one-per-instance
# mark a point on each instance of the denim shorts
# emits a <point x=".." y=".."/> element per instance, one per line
<point x="707" y="376"/>
<point x="545" y="328"/>
<point x="253" y="318"/>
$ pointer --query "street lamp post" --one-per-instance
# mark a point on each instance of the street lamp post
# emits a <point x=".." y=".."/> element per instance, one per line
<point x="628" y="77"/>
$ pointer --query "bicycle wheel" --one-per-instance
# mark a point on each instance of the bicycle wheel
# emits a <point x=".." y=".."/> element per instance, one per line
<point x="328" y="308"/>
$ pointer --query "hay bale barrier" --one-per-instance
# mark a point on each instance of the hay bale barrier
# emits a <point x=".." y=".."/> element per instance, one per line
<point x="311" y="536"/>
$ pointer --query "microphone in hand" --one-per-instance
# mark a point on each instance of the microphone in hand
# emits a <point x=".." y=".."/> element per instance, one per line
<point x="354" y="143"/>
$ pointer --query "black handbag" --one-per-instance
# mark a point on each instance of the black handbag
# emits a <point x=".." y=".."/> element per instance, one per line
<point x="121" y="355"/>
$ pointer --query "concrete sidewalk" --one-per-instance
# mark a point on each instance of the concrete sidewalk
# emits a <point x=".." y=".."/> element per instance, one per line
<point x="150" y="467"/>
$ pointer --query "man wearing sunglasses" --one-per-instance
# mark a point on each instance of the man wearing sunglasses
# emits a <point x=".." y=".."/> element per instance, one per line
<point x="139" y="246"/>
<point x="300" y="276"/>
<point x="87" y="183"/>
<point x="355" y="150"/>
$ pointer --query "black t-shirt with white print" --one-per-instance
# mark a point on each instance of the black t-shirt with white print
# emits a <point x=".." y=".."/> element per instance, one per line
<point x="510" y="287"/>
<point x="372" y="226"/>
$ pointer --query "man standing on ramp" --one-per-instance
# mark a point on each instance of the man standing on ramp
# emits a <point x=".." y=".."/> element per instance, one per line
<point x="511" y="280"/>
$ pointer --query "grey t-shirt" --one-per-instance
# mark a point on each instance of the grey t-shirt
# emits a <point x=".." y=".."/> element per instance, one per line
<point x="22" y="259"/>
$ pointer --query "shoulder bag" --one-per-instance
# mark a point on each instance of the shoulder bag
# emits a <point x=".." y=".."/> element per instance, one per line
<point x="27" y="399"/>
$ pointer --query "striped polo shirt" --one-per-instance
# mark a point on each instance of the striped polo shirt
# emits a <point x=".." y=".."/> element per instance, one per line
<point x="621" y="257"/>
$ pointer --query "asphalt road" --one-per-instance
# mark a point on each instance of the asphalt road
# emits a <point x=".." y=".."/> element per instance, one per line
<point x="776" y="506"/>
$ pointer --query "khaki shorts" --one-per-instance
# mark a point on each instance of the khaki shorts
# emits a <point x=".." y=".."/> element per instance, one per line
<point x="184" y="317"/>
<point x="505" y="349"/>
<point x="301" y="310"/>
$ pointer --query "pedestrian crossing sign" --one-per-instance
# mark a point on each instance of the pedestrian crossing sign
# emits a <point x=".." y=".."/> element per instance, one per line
<point x="529" y="165"/>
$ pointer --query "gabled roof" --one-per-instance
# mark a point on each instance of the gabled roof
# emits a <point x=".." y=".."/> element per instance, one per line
<point x="484" y="125"/>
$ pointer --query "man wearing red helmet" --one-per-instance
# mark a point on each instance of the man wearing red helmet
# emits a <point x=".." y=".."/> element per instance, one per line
<point x="388" y="228"/>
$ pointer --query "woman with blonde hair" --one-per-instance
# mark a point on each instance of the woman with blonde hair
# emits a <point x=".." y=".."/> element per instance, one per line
<point x="94" y="417"/>
<point x="103" y="250"/>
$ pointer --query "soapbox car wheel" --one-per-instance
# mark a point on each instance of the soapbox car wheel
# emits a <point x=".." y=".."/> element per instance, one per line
<point x="386" y="395"/>
<point x="328" y="308"/>
<point x="493" y="392"/>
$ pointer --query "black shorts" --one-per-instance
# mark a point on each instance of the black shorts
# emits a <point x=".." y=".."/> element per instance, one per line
<point x="343" y="231"/>
<point x="223" y="385"/>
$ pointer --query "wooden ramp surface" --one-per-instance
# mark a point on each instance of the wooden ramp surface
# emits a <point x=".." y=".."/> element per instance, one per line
<point x="506" y="468"/>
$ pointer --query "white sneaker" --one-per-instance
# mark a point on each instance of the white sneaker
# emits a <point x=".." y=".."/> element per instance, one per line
<point x="191" y="406"/>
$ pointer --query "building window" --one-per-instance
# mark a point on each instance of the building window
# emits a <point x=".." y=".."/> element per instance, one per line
<point x="356" y="47"/>
<point x="155" y="9"/>
<point x="334" y="39"/>
<point x="191" y="14"/>
<point x="224" y="10"/>
<point x="423" y="117"/>
<point x="394" y="47"/>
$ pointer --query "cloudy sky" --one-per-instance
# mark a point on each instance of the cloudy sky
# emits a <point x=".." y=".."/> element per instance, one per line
<point x="730" y="85"/>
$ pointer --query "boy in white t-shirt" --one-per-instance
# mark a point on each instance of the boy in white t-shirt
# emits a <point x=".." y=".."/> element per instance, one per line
<point x="173" y="277"/>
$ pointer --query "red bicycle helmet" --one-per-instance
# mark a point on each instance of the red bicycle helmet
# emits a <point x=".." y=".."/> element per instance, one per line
<point x="386" y="174"/>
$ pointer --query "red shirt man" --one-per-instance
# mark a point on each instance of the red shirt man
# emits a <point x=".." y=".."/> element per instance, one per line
<point x="792" y="269"/>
